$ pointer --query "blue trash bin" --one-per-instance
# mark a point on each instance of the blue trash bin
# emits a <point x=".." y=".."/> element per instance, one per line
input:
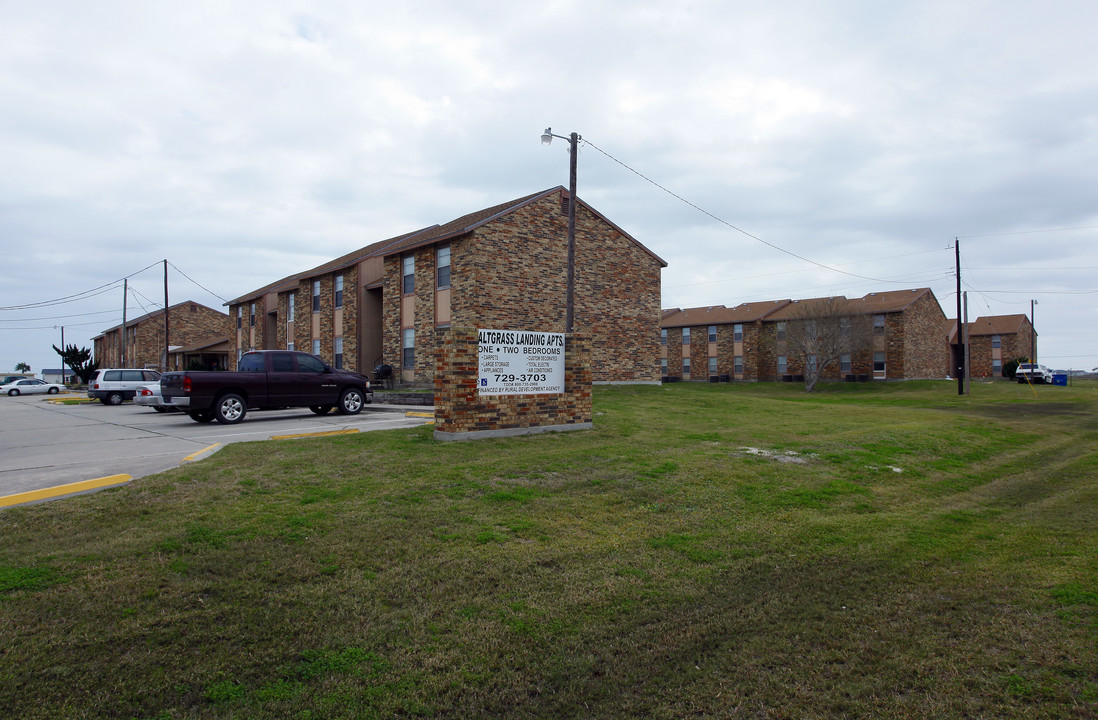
<point x="1060" y="379"/>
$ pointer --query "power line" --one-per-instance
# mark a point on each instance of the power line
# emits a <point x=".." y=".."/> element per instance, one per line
<point x="726" y="223"/>
<point x="196" y="283"/>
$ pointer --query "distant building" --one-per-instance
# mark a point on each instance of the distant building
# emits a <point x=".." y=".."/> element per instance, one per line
<point x="995" y="340"/>
<point x="189" y="323"/>
<point x="63" y="376"/>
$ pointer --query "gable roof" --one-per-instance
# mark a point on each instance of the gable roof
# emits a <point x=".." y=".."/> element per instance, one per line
<point x="998" y="325"/>
<point x="156" y="314"/>
<point x="721" y="315"/>
<point x="427" y="236"/>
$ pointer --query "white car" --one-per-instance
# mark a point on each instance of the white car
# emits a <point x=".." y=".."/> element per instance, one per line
<point x="1033" y="372"/>
<point x="113" y="386"/>
<point x="150" y="396"/>
<point x="29" y="386"/>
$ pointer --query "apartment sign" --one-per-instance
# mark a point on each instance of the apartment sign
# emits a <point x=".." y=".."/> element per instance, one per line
<point x="518" y="362"/>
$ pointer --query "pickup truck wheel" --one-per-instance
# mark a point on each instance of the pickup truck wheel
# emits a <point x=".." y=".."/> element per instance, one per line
<point x="321" y="409"/>
<point x="201" y="416"/>
<point x="351" y="401"/>
<point x="115" y="398"/>
<point x="230" y="409"/>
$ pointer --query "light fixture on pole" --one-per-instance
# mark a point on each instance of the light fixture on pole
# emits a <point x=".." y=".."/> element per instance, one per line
<point x="573" y="139"/>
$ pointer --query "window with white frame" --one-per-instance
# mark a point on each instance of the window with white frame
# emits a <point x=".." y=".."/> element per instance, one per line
<point x="712" y="366"/>
<point x="663" y="336"/>
<point x="783" y="365"/>
<point x="408" y="275"/>
<point x="878" y="324"/>
<point x="844" y="363"/>
<point x="737" y="364"/>
<point x="996" y="367"/>
<point x="712" y="333"/>
<point x="290" y="345"/>
<point x="686" y="336"/>
<point x="737" y="332"/>
<point x="442" y="263"/>
<point x="239" y="316"/>
<point x="316" y="347"/>
<point x="780" y="330"/>
<point x="408" y="348"/>
<point x="339" y="353"/>
<point x="338" y="291"/>
<point x="316" y="296"/>
<point x="251" y="315"/>
<point x="291" y="306"/>
<point x="663" y="367"/>
<point x="686" y="366"/>
<point x="878" y="362"/>
<point x="996" y="341"/>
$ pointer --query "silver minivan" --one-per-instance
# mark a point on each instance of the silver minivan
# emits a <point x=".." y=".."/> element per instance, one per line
<point x="113" y="386"/>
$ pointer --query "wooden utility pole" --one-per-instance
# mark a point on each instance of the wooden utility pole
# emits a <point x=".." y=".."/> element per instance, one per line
<point x="164" y="365"/>
<point x="960" y="330"/>
<point x="125" y="292"/>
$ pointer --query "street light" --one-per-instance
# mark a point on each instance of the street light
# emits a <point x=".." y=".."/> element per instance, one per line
<point x="573" y="139"/>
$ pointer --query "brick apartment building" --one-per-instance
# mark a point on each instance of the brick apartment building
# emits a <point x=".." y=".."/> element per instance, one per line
<point x="189" y="324"/>
<point x="903" y="339"/>
<point x="504" y="267"/>
<point x="995" y="340"/>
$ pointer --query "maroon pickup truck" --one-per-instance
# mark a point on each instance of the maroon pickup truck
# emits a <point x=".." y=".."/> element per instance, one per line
<point x="264" y="380"/>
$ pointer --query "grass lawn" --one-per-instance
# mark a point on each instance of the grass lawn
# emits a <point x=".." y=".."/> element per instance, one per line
<point x="869" y="550"/>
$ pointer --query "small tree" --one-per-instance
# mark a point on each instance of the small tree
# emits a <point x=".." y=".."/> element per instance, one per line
<point x="1010" y="368"/>
<point x="821" y="331"/>
<point x="22" y="368"/>
<point x="79" y="360"/>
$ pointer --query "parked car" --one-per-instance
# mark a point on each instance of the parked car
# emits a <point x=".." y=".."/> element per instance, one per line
<point x="28" y="386"/>
<point x="1033" y="372"/>
<point x="113" y="386"/>
<point x="266" y="379"/>
<point x="150" y="396"/>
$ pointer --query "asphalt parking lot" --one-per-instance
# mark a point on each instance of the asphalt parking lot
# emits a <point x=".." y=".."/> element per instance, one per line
<point x="46" y="444"/>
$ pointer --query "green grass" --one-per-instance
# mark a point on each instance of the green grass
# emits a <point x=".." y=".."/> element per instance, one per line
<point x="868" y="550"/>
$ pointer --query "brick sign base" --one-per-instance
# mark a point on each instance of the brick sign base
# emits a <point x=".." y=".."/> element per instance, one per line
<point x="461" y="413"/>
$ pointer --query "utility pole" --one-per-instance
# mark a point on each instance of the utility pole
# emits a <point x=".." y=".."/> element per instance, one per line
<point x="125" y="292"/>
<point x="968" y="354"/>
<point x="960" y="330"/>
<point x="164" y="365"/>
<point x="1032" y="334"/>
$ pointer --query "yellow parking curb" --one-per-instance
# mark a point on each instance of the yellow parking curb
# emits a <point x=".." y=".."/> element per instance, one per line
<point x="192" y="456"/>
<point x="59" y="490"/>
<point x="419" y="414"/>
<point x="348" y="431"/>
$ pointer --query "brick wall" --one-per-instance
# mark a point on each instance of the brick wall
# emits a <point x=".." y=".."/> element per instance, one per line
<point x="512" y="274"/>
<point x="188" y="324"/>
<point x="460" y="412"/>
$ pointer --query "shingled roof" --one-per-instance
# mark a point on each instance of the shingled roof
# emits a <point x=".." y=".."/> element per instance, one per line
<point x="721" y="315"/>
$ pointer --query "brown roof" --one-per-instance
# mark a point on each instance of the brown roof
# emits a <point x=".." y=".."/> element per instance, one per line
<point x="155" y="314"/>
<point x="425" y="236"/>
<point x="871" y="304"/>
<point x="721" y="315"/>
<point x="997" y="325"/>
<point x="205" y="344"/>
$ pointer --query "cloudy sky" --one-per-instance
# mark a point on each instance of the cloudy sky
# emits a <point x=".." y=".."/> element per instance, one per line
<point x="764" y="150"/>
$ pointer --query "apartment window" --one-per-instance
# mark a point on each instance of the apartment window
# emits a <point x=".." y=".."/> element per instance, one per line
<point x="844" y="363"/>
<point x="408" y="346"/>
<point x="737" y="333"/>
<point x="316" y="347"/>
<point x="663" y="367"/>
<point x="781" y="330"/>
<point x="239" y="316"/>
<point x="878" y="362"/>
<point x="686" y="336"/>
<point x="442" y="262"/>
<point x="291" y="303"/>
<point x="663" y="336"/>
<point x="339" y="353"/>
<point x="783" y="366"/>
<point x="996" y="367"/>
<point x="290" y="345"/>
<point x="996" y="341"/>
<point x="713" y="366"/>
<point x="737" y="364"/>
<point x="712" y="333"/>
<point x="316" y="296"/>
<point x="408" y="275"/>
<point x="686" y="366"/>
<point x="878" y="324"/>
<point x="339" y="291"/>
<point x="251" y="316"/>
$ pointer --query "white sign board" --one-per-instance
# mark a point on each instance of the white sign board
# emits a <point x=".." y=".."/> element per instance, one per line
<point x="520" y="362"/>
